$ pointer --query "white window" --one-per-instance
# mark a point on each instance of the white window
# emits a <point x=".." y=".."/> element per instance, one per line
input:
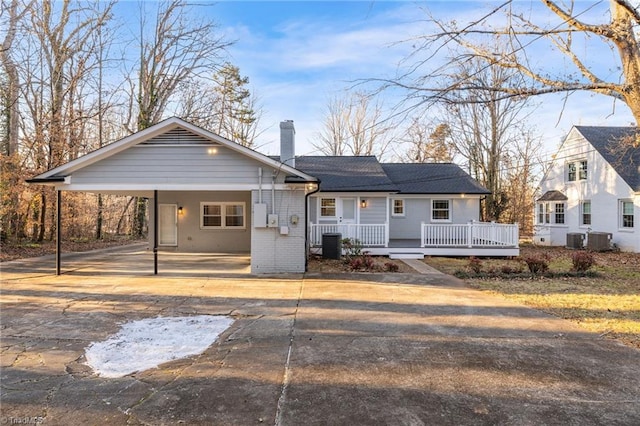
<point x="544" y="213"/>
<point x="398" y="208"/>
<point x="577" y="170"/>
<point x="585" y="213"/>
<point x="222" y="215"/>
<point x="559" y="210"/>
<point x="582" y="170"/>
<point x="626" y="214"/>
<point x="440" y="210"/>
<point x="327" y="207"/>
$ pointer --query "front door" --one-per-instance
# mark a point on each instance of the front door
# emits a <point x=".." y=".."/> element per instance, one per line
<point x="347" y="212"/>
<point x="168" y="225"/>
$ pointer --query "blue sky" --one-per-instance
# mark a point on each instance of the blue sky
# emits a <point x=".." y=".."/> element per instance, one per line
<point x="299" y="53"/>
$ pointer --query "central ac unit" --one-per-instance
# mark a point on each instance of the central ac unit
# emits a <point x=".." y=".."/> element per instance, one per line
<point x="575" y="240"/>
<point x="599" y="241"/>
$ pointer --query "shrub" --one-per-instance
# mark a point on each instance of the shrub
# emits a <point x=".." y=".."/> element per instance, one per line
<point x="582" y="261"/>
<point x="391" y="267"/>
<point x="363" y="262"/>
<point x="352" y="248"/>
<point x="475" y="265"/>
<point x="537" y="264"/>
<point x="508" y="270"/>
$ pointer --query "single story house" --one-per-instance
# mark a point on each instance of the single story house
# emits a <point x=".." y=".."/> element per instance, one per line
<point x="209" y="194"/>
<point x="590" y="194"/>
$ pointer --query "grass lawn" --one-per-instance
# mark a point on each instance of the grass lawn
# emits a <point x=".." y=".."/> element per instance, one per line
<point x="605" y="301"/>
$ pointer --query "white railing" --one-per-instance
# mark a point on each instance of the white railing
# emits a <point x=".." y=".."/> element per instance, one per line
<point x="472" y="234"/>
<point x="369" y="235"/>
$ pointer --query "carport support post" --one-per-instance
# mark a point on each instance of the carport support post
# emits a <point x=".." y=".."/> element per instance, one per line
<point x="155" y="232"/>
<point x="58" y="229"/>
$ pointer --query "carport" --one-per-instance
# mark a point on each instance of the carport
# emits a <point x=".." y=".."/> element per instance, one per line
<point x="206" y="194"/>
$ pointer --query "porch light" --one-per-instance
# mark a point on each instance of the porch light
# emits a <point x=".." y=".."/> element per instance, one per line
<point x="180" y="211"/>
<point x="363" y="203"/>
<point x="212" y="151"/>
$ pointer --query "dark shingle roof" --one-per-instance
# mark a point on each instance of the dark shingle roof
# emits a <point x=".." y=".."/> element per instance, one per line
<point x="340" y="174"/>
<point x="553" y="196"/>
<point x="626" y="162"/>
<point x="432" y="178"/>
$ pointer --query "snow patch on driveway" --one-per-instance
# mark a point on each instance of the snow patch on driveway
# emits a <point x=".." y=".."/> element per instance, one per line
<point x="147" y="343"/>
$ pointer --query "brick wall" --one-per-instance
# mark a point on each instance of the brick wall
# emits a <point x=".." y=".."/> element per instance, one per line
<point x="272" y="252"/>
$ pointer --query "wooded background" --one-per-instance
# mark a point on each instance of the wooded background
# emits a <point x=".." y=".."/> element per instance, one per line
<point x="72" y="81"/>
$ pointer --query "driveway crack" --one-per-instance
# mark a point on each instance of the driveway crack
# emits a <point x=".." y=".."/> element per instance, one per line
<point x="286" y="380"/>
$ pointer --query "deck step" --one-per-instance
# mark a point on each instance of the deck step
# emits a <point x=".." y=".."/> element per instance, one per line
<point x="405" y="255"/>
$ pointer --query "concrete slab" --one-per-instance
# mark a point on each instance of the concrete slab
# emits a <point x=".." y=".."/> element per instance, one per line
<point x="340" y="349"/>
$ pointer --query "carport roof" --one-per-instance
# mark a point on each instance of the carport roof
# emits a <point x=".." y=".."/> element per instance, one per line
<point x="57" y="175"/>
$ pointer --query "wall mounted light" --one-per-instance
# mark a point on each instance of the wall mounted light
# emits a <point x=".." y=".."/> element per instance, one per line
<point x="180" y="211"/>
<point x="212" y="151"/>
<point x="363" y="203"/>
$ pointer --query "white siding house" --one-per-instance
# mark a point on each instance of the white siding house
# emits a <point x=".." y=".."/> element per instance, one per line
<point x="592" y="186"/>
<point x="210" y="195"/>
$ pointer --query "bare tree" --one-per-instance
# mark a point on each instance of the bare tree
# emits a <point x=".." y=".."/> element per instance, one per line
<point x="428" y="143"/>
<point x="485" y="127"/>
<point x="575" y="26"/>
<point x="177" y="48"/>
<point x="354" y="125"/>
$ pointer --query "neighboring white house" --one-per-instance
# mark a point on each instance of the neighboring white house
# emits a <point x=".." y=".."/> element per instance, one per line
<point x="210" y="195"/>
<point x="592" y="186"/>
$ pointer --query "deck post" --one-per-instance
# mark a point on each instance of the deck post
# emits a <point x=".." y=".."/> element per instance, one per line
<point x="155" y="232"/>
<point x="58" y="230"/>
<point x="470" y="234"/>
<point x="422" y="244"/>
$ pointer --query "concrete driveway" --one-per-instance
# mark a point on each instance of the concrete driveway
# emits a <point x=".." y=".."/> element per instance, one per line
<point x="388" y="349"/>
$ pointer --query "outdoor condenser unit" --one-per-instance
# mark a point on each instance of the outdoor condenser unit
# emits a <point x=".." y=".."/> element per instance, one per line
<point x="599" y="241"/>
<point x="575" y="240"/>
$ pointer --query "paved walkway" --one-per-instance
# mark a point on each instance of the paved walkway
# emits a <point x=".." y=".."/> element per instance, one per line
<point x="401" y="349"/>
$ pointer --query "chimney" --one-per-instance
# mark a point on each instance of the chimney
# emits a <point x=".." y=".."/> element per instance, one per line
<point x="287" y="143"/>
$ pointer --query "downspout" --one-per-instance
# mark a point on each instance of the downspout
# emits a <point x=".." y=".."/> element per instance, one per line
<point x="273" y="193"/>
<point x="306" y="224"/>
<point x="260" y="185"/>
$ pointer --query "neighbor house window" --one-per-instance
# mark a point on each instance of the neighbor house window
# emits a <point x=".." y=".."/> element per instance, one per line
<point x="626" y="214"/>
<point x="541" y="213"/>
<point x="571" y="171"/>
<point x="398" y="208"/>
<point x="559" y="209"/>
<point x="585" y="213"/>
<point x="544" y="213"/>
<point x="222" y="215"/>
<point x="328" y="207"/>
<point x="440" y="210"/>
<point x="582" y="170"/>
<point x="577" y="170"/>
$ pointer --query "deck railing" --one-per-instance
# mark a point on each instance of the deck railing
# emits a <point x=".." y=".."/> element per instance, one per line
<point x="369" y="235"/>
<point x="472" y="234"/>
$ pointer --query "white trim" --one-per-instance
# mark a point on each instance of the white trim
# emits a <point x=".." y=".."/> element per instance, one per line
<point x="158" y="129"/>
<point x="145" y="187"/>
<point x="335" y="208"/>
<point x="449" y="210"/>
<point x="175" y="228"/>
<point x="621" y="202"/>
<point x="222" y="205"/>
<point x="393" y="207"/>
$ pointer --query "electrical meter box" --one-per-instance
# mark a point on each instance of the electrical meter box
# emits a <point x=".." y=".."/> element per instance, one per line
<point x="272" y="221"/>
<point x="259" y="215"/>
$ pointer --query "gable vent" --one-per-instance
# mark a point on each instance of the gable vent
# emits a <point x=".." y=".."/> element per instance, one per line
<point x="178" y="136"/>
